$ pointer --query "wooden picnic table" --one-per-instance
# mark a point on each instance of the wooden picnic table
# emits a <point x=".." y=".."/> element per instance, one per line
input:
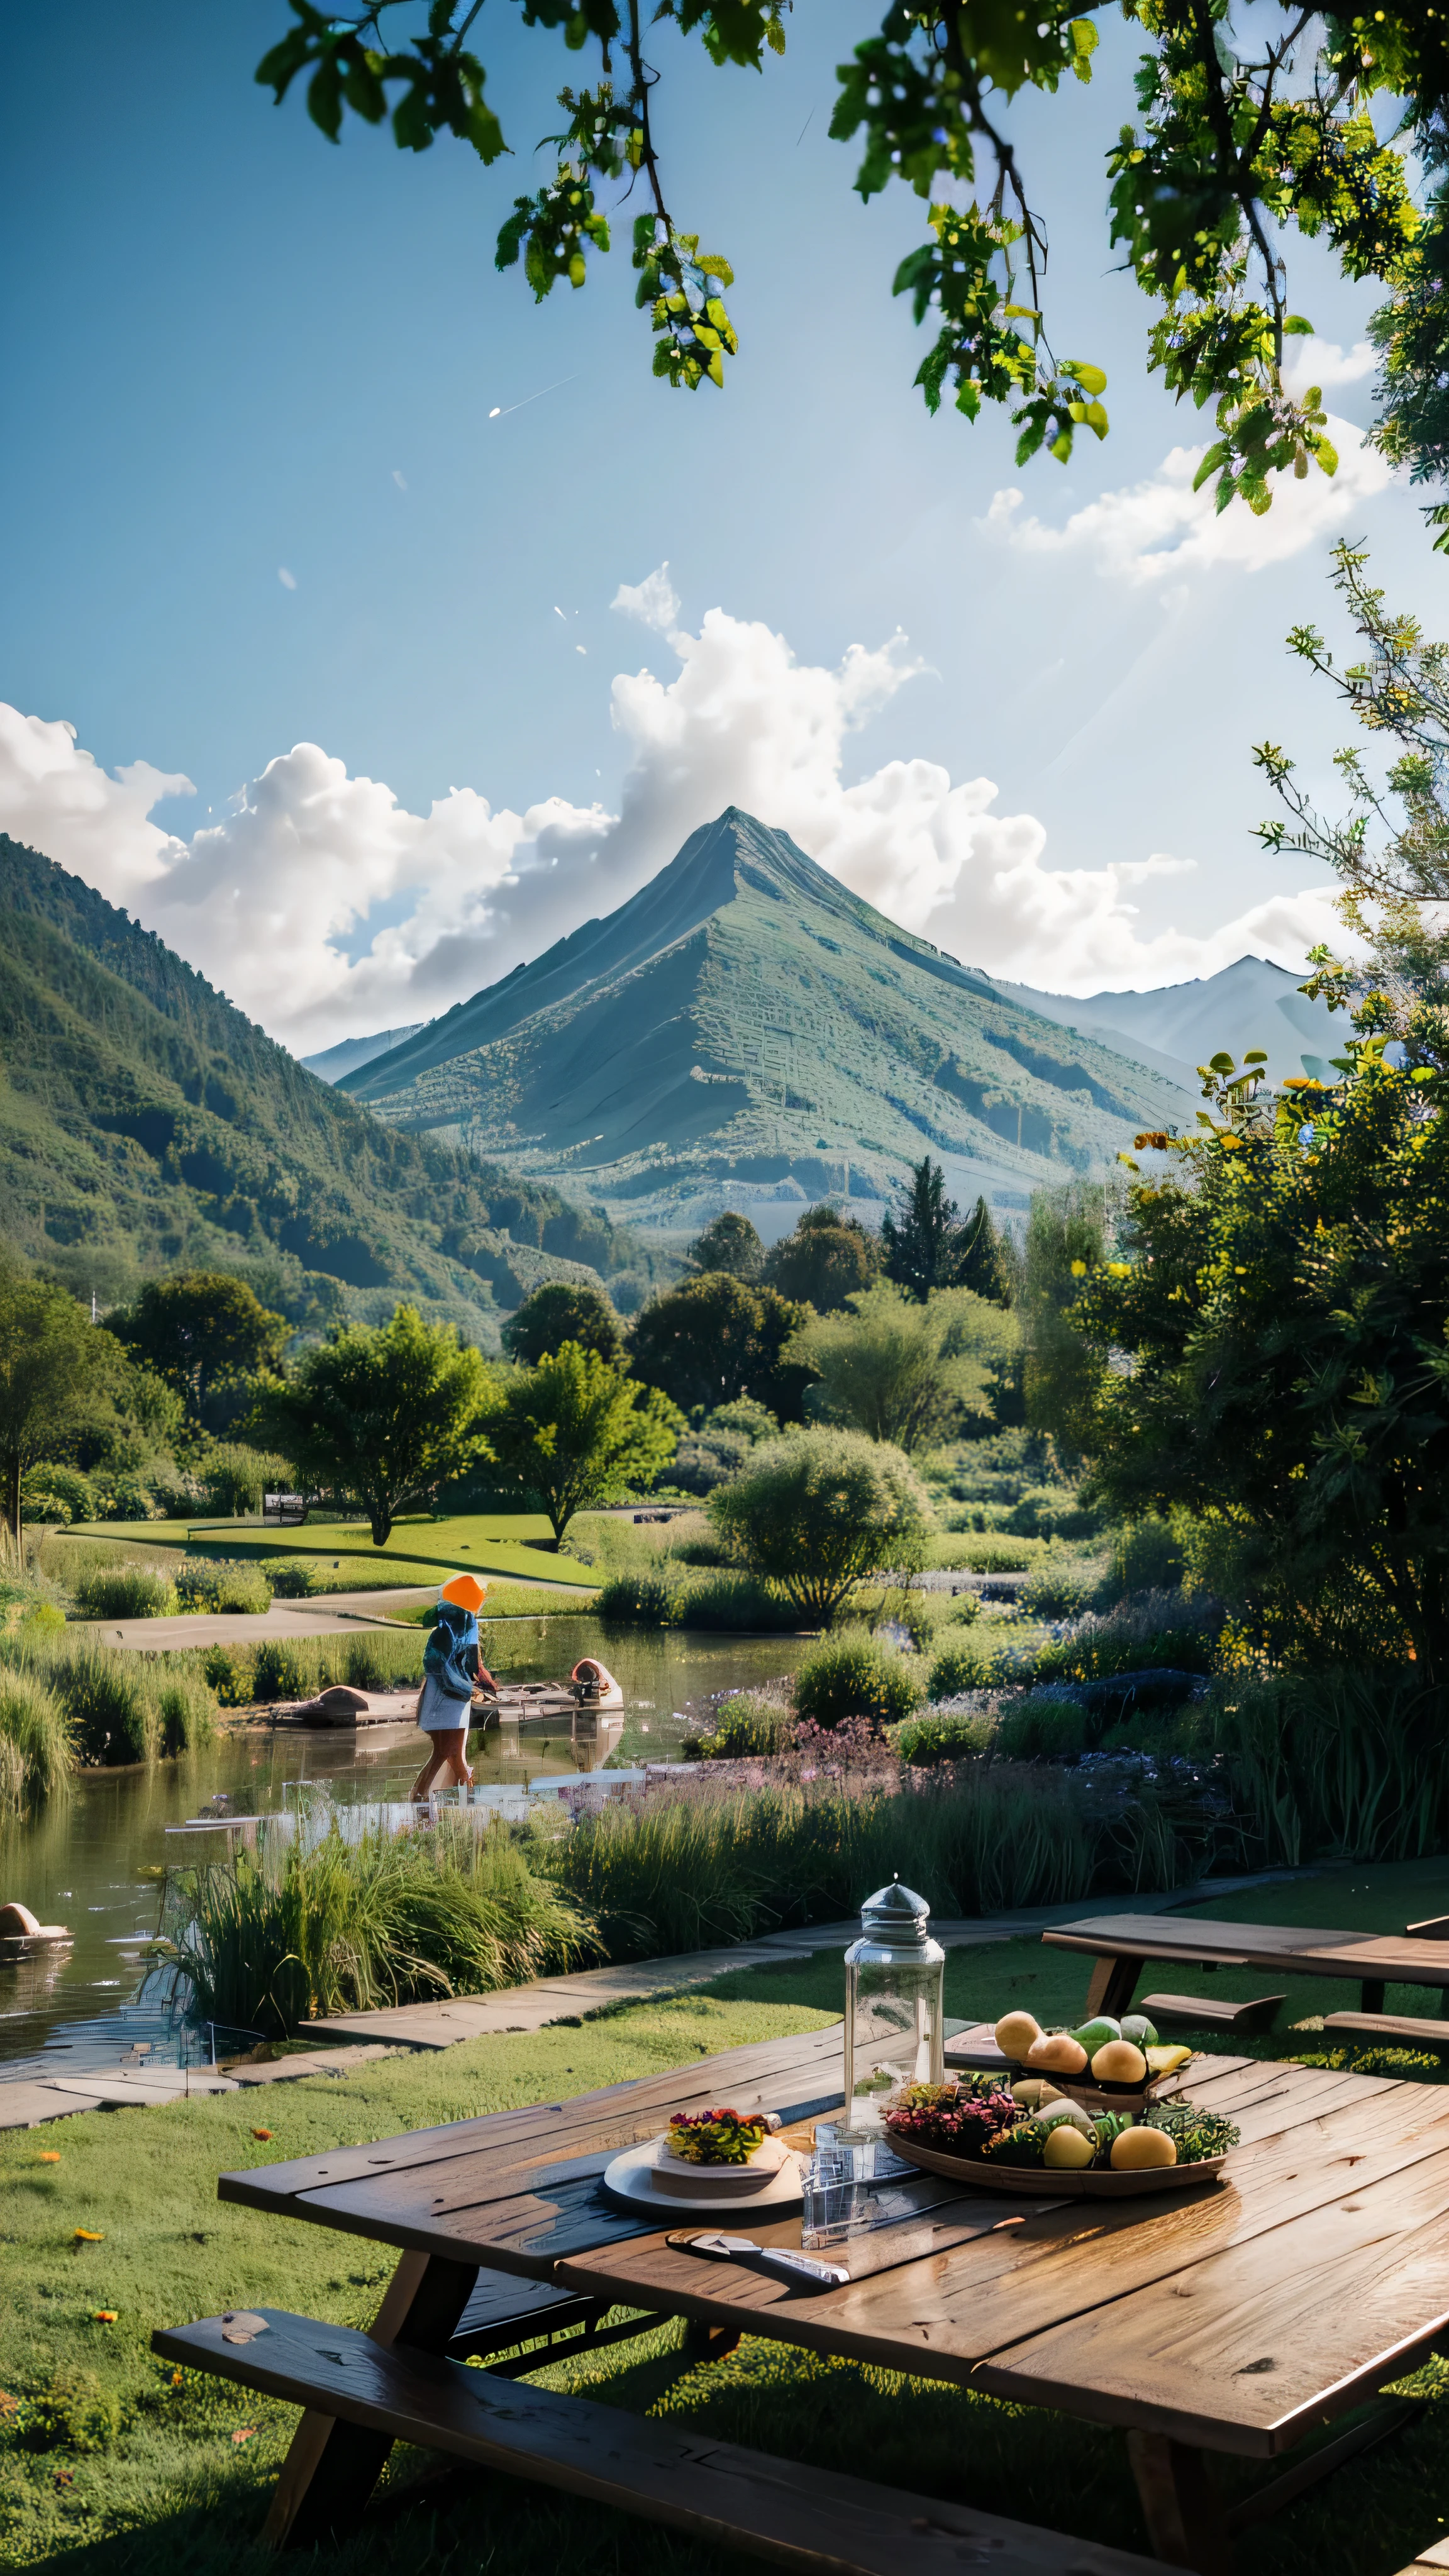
<point x="1121" y="1944"/>
<point x="1238" y="2318"/>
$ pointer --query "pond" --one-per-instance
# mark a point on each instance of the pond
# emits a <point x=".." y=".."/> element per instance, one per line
<point x="94" y="1860"/>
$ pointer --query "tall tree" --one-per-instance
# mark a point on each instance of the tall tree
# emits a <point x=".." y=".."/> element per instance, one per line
<point x="563" y="1311"/>
<point x="714" y="1339"/>
<point x="387" y="1416"/>
<point x="924" y="1240"/>
<point x="58" y="1372"/>
<point x="904" y="1369"/>
<point x="825" y="1260"/>
<point x="579" y="1434"/>
<point x="1239" y="143"/>
<point x="1283" y="1297"/>
<point x="731" y="1244"/>
<point x="982" y="1263"/>
<point x="1390" y="850"/>
<point x="201" y="1329"/>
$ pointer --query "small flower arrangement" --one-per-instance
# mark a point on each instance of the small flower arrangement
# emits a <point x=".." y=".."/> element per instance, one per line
<point x="951" y="2119"/>
<point x="716" y="2137"/>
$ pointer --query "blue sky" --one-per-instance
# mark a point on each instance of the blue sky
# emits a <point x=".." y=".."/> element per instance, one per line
<point x="234" y="349"/>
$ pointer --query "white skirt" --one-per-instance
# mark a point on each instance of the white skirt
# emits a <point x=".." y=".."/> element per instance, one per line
<point x="437" y="1713"/>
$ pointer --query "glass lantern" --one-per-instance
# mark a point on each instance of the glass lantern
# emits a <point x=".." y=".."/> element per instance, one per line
<point x="894" y="1995"/>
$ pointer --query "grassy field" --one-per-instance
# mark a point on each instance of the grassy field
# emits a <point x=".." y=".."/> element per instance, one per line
<point x="103" y="2474"/>
<point x="423" y="1550"/>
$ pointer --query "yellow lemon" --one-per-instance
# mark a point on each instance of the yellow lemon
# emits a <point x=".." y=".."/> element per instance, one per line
<point x="1119" y="2063"/>
<point x="1136" y="2149"/>
<point x="1066" y="2150"/>
<point x="1015" y="2033"/>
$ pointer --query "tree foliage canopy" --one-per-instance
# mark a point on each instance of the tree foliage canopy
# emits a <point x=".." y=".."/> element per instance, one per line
<point x="1271" y="1351"/>
<point x="818" y="1510"/>
<point x="732" y="1244"/>
<point x="1244" y="135"/>
<point x="825" y="1260"/>
<point x="58" y="1376"/>
<point x="1390" y="850"/>
<point x="926" y="1243"/>
<point x="558" y="1312"/>
<point x="199" y="1329"/>
<point x="714" y="1339"/>
<point x="578" y="1433"/>
<point x="900" y="1368"/>
<point x="387" y="1416"/>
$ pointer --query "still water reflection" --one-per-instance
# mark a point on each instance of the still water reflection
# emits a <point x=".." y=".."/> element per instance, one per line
<point x="94" y="1860"/>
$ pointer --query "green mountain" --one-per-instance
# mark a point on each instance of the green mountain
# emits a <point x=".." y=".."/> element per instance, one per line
<point x="743" y="1031"/>
<point x="144" y="1123"/>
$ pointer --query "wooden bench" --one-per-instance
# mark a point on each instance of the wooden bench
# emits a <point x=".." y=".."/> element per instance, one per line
<point x="1210" y="2012"/>
<point x="1398" y="2030"/>
<point x="504" y="2313"/>
<point x="1435" y="2555"/>
<point x="804" y="2518"/>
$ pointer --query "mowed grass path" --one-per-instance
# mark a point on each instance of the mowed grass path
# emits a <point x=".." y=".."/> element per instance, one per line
<point x="423" y="1550"/>
<point x="179" y="2486"/>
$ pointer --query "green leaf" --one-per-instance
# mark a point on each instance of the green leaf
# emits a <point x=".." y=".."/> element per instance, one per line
<point x="1091" y="379"/>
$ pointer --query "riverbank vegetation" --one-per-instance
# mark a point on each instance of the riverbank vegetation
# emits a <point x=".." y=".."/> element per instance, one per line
<point x="269" y="1941"/>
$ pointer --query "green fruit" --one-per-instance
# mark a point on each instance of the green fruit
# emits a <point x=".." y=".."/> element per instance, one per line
<point x="1139" y="2030"/>
<point x="1095" y="2034"/>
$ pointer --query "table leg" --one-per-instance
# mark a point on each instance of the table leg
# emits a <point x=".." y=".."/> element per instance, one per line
<point x="1184" y="2520"/>
<point x="1371" y="1995"/>
<point x="1113" y="1985"/>
<point x="331" y="2469"/>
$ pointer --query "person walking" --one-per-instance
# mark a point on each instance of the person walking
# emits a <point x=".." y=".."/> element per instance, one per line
<point x="452" y="1672"/>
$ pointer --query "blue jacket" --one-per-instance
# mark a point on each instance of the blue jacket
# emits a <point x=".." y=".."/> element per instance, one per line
<point x="451" y="1653"/>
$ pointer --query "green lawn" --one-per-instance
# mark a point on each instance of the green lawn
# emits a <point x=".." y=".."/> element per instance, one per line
<point x="983" y="1983"/>
<point x="424" y="1550"/>
<point x="174" y="2484"/>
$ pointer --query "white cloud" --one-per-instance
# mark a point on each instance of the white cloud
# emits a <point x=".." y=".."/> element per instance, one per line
<point x="274" y="902"/>
<point x="654" y="601"/>
<point x="287" y="579"/>
<point x="1161" y="525"/>
<point x="1325" y="364"/>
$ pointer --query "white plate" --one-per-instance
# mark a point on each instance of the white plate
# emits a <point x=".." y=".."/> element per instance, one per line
<point x="630" y="2178"/>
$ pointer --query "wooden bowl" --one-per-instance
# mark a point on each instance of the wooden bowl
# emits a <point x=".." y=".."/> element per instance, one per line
<point x="1043" y="2183"/>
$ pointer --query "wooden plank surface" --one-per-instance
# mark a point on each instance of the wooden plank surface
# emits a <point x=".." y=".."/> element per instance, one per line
<point x="783" y="2075"/>
<point x="1212" y="2012"/>
<point x="802" y="2518"/>
<point x="1312" y="1952"/>
<point x="1325" y="2251"/>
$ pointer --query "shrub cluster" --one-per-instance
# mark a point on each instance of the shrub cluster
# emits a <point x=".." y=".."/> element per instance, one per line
<point x="856" y="1675"/>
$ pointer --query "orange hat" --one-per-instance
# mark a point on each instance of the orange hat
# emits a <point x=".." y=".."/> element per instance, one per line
<point x="466" y="1590"/>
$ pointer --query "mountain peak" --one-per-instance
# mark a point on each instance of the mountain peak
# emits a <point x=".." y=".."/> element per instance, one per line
<point x="743" y="1030"/>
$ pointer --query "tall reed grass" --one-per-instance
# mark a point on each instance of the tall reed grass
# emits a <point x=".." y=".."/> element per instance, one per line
<point x="348" y="1927"/>
<point x="1336" y="1764"/>
<point x="116" y="1707"/>
<point x="669" y="1598"/>
<point x="127" y="1592"/>
<point x="36" y="1756"/>
<point x="296" y="1667"/>
<point x="687" y="1868"/>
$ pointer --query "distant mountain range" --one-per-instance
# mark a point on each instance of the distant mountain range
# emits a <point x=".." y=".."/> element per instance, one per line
<point x="144" y="1123"/>
<point x="1179" y="1026"/>
<point x="745" y="1031"/>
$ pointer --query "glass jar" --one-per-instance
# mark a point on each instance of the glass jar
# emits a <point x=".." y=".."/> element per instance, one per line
<point x="894" y="1997"/>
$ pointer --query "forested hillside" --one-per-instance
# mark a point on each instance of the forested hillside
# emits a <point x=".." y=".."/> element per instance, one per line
<point x="144" y="1122"/>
